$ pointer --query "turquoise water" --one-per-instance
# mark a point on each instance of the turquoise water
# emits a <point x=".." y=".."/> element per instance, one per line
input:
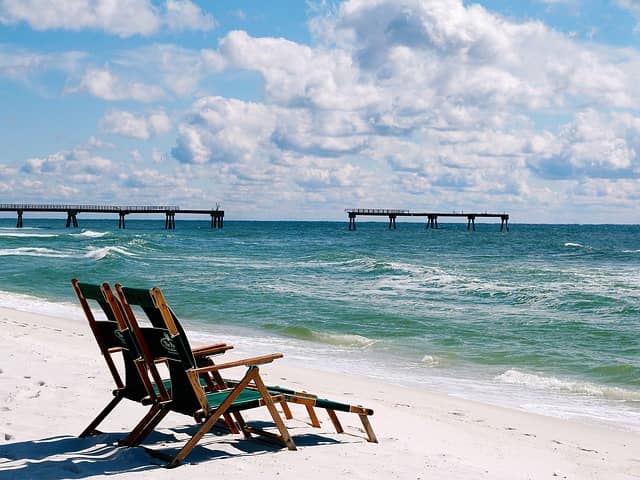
<point x="544" y="318"/>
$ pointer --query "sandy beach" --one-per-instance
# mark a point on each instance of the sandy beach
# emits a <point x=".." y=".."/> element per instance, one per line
<point x="53" y="381"/>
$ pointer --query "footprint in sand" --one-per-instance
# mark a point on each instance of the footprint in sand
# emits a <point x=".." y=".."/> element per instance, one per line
<point x="8" y="436"/>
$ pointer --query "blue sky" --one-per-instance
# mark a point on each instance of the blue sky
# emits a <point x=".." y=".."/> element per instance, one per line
<point x="298" y="110"/>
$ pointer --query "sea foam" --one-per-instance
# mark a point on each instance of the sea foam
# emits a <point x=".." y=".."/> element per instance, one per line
<point x="541" y="382"/>
<point x="33" y="252"/>
<point x="90" y="234"/>
<point x="98" y="253"/>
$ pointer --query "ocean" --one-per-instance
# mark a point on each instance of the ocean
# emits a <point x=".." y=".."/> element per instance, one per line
<point x="544" y="318"/>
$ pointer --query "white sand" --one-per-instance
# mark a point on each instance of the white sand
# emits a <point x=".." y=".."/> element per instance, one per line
<point x="53" y="381"/>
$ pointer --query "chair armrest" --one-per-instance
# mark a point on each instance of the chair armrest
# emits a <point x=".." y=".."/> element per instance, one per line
<point x="247" y="362"/>
<point x="115" y="349"/>
<point x="214" y="349"/>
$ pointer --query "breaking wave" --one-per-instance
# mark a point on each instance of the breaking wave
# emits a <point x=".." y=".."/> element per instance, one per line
<point x="90" y="234"/>
<point x="540" y="382"/>
<point x="98" y="253"/>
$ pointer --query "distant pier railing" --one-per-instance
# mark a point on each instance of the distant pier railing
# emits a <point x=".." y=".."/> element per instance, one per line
<point x="432" y="217"/>
<point x="72" y="211"/>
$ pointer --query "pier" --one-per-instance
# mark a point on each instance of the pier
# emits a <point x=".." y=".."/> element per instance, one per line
<point x="72" y="211"/>
<point x="432" y="217"/>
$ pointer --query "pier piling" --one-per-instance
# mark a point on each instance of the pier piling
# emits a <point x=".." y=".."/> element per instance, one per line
<point x="72" y="218"/>
<point x="471" y="221"/>
<point x="352" y="221"/>
<point x="170" y="221"/>
<point x="504" y="222"/>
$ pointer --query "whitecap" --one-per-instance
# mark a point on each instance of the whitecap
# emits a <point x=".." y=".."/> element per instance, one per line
<point x="574" y="245"/>
<point x="33" y="252"/>
<point x="348" y="340"/>
<point x="22" y="234"/>
<point x="90" y="234"/>
<point x="98" y="253"/>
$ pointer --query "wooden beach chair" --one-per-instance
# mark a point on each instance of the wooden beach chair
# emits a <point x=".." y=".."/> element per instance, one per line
<point x="309" y="400"/>
<point x="188" y="396"/>
<point x="113" y="336"/>
<point x="151" y="376"/>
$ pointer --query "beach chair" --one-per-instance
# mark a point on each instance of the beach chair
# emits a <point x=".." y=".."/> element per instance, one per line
<point x="157" y="386"/>
<point x="113" y="336"/>
<point x="309" y="400"/>
<point x="188" y="395"/>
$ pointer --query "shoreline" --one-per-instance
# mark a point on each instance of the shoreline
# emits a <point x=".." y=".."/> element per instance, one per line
<point x="515" y="389"/>
<point x="54" y="382"/>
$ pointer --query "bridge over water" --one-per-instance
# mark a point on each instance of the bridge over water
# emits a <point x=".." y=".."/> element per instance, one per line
<point x="72" y="211"/>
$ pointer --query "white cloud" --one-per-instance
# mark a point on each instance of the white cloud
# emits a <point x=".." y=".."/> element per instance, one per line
<point x="180" y="69"/>
<point x="594" y="145"/>
<point x="77" y="160"/>
<point x="185" y="15"/>
<point x="225" y="130"/>
<point x="6" y="171"/>
<point x="119" y="17"/>
<point x="21" y="64"/>
<point x="101" y="83"/>
<point x="128" y="124"/>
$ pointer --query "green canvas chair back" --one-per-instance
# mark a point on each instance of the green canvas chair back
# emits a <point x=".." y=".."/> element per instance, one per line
<point x="110" y="335"/>
<point x="166" y="341"/>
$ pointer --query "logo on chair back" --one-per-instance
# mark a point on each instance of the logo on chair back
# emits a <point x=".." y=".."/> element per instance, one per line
<point x="120" y="337"/>
<point x="168" y="345"/>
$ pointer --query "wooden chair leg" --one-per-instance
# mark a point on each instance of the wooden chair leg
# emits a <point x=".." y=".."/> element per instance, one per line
<point x="285" y="409"/>
<point x="186" y="449"/>
<point x="231" y="425"/>
<point x="368" y="428"/>
<point x="148" y="428"/>
<point x="145" y="426"/>
<point x="210" y="422"/>
<point x="284" y="433"/>
<point x="243" y="425"/>
<point x="315" y="422"/>
<point x="335" y="421"/>
<point x="101" y="416"/>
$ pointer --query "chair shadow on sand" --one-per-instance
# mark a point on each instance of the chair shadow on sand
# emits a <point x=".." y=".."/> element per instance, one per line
<point x="67" y="457"/>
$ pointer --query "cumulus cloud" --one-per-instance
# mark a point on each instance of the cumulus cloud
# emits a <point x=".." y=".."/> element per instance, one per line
<point x="128" y="124"/>
<point x="77" y="160"/>
<point x="225" y="130"/>
<point x="119" y="17"/>
<point x="594" y="145"/>
<point x="101" y="83"/>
